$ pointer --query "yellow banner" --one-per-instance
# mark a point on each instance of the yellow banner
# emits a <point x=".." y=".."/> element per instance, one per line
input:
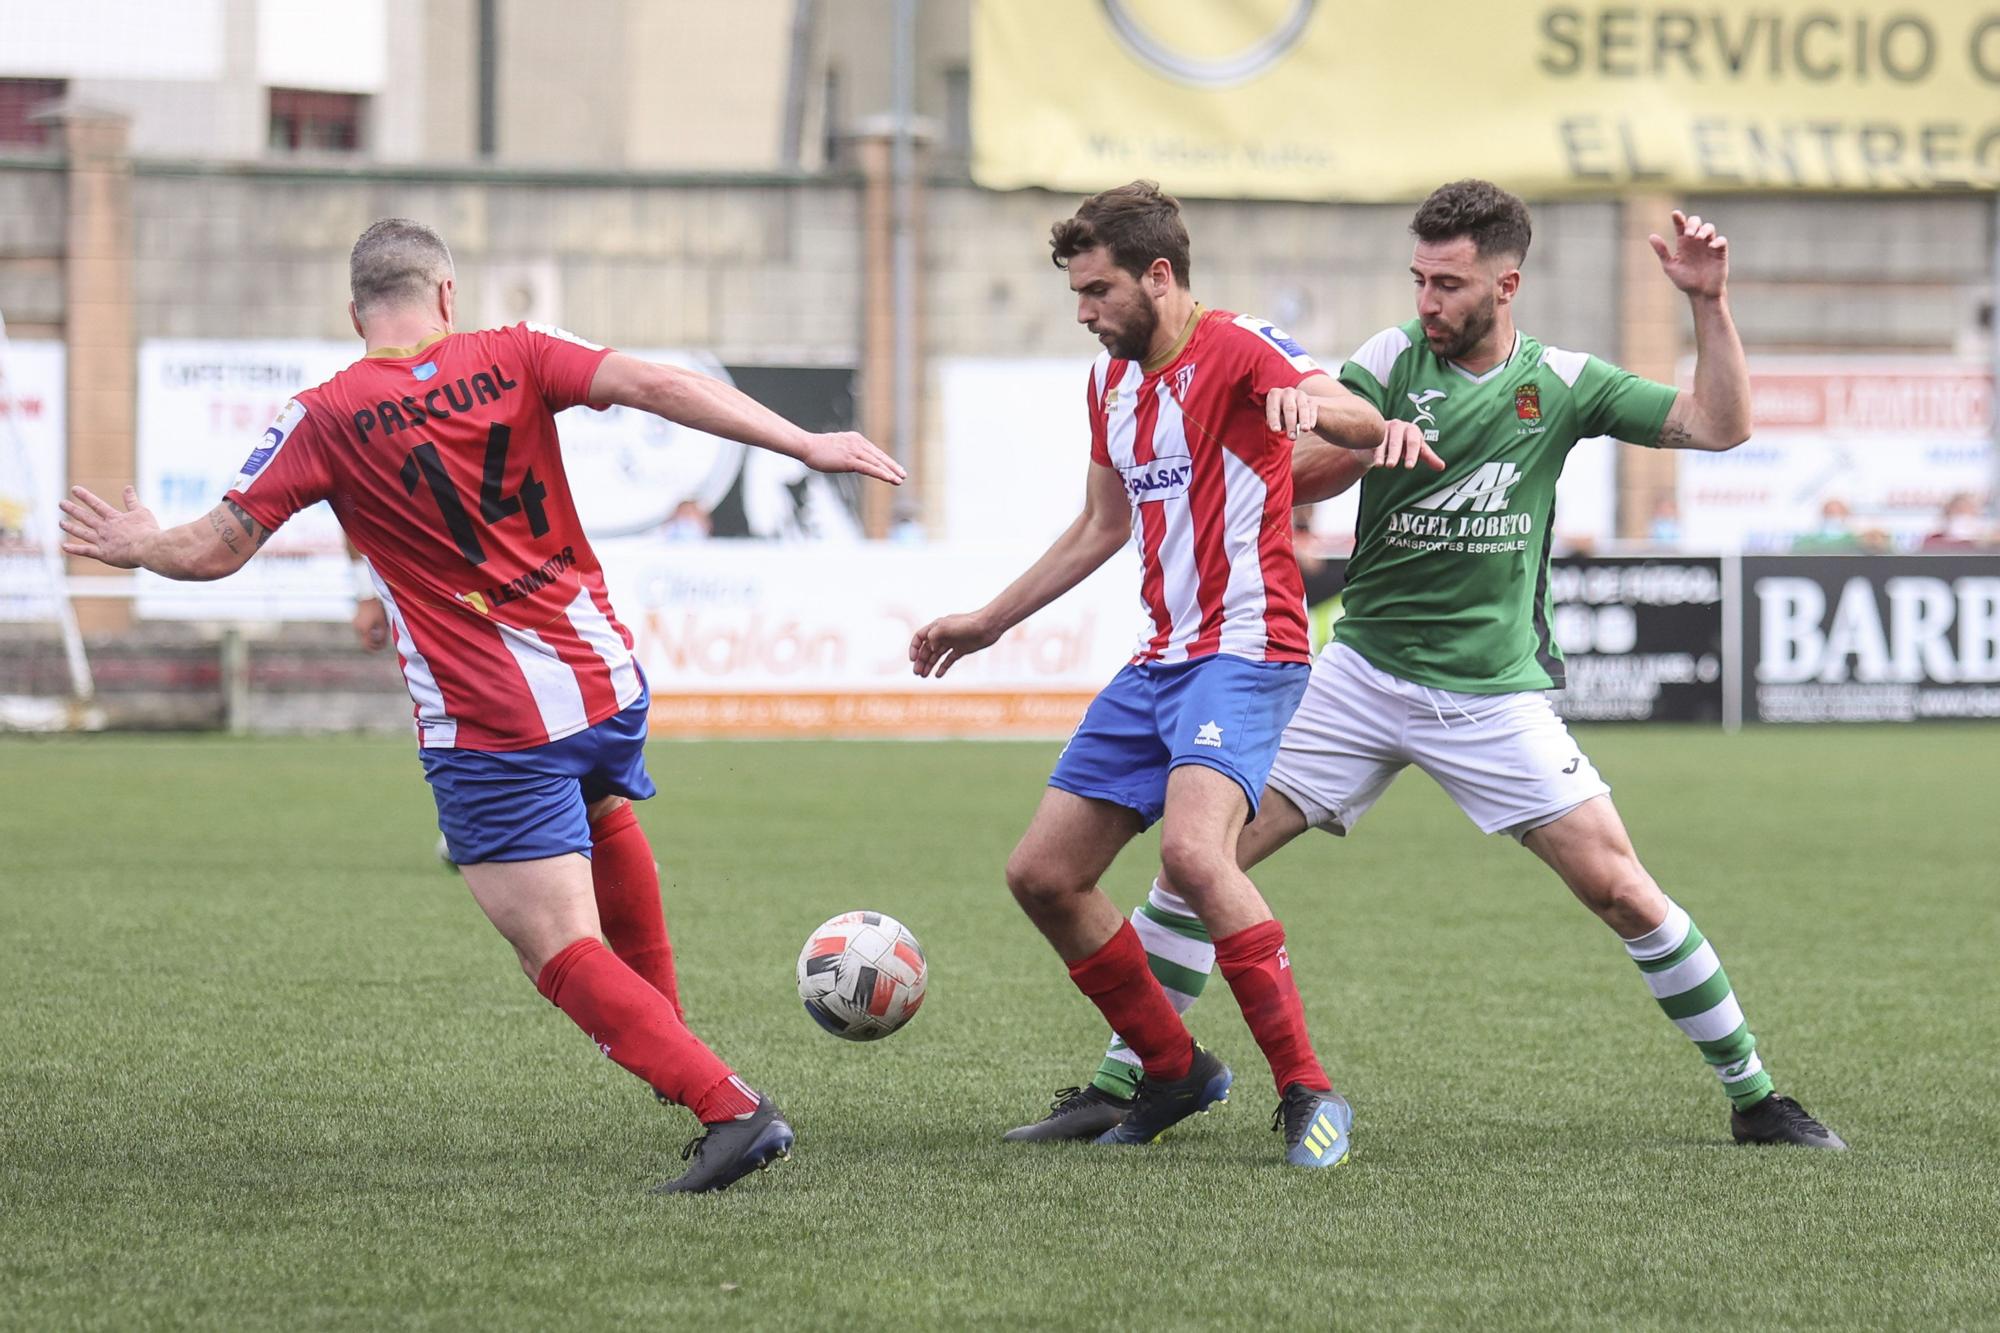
<point x="1386" y="99"/>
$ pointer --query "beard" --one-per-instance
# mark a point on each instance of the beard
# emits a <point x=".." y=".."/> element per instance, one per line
<point x="1457" y="346"/>
<point x="1131" y="342"/>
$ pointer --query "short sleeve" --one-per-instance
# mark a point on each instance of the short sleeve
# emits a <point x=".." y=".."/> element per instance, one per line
<point x="562" y="363"/>
<point x="1093" y="398"/>
<point x="287" y="470"/>
<point x="1367" y="372"/>
<point x="1613" y="401"/>
<point x="1276" y="361"/>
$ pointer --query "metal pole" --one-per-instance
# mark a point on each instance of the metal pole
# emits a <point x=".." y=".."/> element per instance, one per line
<point x="1993" y="357"/>
<point x="488" y="27"/>
<point x="792" y="138"/>
<point x="903" y="240"/>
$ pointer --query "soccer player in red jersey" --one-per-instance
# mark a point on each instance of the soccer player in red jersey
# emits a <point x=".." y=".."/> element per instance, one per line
<point x="1193" y="419"/>
<point x="438" y="453"/>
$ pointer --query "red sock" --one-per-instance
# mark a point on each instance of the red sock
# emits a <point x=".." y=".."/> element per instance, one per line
<point x="633" y="1024"/>
<point x="1120" y="982"/>
<point x="1259" y="971"/>
<point x="627" y="881"/>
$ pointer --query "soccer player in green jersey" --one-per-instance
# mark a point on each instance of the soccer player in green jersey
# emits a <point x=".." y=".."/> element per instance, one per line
<point x="1444" y="652"/>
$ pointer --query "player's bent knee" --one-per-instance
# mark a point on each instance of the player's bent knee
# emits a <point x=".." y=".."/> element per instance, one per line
<point x="1626" y="897"/>
<point x="1040" y="885"/>
<point x="1194" y="868"/>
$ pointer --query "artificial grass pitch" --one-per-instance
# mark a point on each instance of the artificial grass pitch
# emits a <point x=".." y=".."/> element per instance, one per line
<point x="262" y="1062"/>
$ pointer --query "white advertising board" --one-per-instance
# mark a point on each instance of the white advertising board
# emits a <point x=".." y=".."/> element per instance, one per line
<point x="33" y="475"/>
<point x="203" y="406"/>
<point x="1890" y="438"/>
<point x="748" y="638"/>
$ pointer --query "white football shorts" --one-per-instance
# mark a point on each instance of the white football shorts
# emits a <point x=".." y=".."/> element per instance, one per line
<point x="1506" y="759"/>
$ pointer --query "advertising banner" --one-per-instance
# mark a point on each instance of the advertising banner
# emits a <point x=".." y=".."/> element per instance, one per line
<point x="1861" y="451"/>
<point x="204" y="403"/>
<point x="1307" y="99"/>
<point x="752" y="640"/>
<point x="203" y="406"/>
<point x="1871" y="638"/>
<point x="33" y="475"/>
<point x="1642" y="638"/>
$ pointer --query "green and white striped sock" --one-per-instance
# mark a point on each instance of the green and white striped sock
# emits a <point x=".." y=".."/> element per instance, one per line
<point x="1686" y="977"/>
<point x="1178" y="948"/>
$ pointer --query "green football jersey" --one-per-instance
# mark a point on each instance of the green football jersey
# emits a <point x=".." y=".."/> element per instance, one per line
<point x="1449" y="581"/>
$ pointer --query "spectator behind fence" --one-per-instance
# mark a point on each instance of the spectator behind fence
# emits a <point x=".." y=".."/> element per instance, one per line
<point x="688" y="523"/>
<point x="1837" y="535"/>
<point x="1664" y="527"/>
<point x="1962" y="527"/>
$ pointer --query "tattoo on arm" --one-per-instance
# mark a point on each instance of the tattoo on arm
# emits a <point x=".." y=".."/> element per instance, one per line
<point x="1673" y="435"/>
<point x="233" y="533"/>
<point x="259" y="534"/>
<point x="223" y="529"/>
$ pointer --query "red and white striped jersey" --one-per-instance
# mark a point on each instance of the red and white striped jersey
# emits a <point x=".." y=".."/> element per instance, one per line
<point x="1211" y="489"/>
<point x="444" y="469"/>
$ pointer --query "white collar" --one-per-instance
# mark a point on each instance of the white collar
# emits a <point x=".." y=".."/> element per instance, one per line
<point x="1493" y="369"/>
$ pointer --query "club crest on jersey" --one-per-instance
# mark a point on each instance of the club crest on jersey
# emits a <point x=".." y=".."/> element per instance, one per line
<point x="1161" y="479"/>
<point x="274" y="439"/>
<point x="1183" y="380"/>
<point x="1528" y="402"/>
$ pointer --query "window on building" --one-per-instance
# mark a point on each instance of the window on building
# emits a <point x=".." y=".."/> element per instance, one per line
<point x="20" y="99"/>
<point x="957" y="143"/>
<point x="303" y="121"/>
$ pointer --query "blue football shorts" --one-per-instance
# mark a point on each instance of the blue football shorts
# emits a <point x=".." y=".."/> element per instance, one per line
<point x="1223" y="712"/>
<point x="524" y="805"/>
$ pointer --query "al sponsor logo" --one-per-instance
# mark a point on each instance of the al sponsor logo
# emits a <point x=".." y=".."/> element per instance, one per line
<point x="1484" y="491"/>
<point x="1467" y="515"/>
<point x="1420" y="403"/>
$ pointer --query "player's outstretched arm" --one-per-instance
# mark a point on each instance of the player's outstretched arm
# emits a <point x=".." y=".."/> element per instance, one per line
<point x="1323" y="406"/>
<point x="1094" y="537"/>
<point x="1716" y="416"/>
<point x="710" y="405"/>
<point x="212" y="547"/>
<point x="1321" y="471"/>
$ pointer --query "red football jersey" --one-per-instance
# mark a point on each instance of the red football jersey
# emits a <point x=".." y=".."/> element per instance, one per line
<point x="1210" y="484"/>
<point x="444" y="469"/>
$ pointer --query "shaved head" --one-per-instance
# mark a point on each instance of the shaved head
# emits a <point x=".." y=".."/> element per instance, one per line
<point x="396" y="262"/>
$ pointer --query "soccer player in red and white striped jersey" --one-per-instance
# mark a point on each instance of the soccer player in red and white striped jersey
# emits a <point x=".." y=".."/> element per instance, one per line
<point x="438" y="452"/>
<point x="1193" y="418"/>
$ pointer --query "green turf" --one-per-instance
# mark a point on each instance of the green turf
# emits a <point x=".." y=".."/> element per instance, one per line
<point x="263" y="1064"/>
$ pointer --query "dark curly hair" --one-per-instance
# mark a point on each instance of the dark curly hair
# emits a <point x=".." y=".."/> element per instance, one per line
<point x="1496" y="221"/>
<point x="1137" y="223"/>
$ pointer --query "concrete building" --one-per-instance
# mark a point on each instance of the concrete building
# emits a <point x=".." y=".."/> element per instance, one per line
<point x="668" y="172"/>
